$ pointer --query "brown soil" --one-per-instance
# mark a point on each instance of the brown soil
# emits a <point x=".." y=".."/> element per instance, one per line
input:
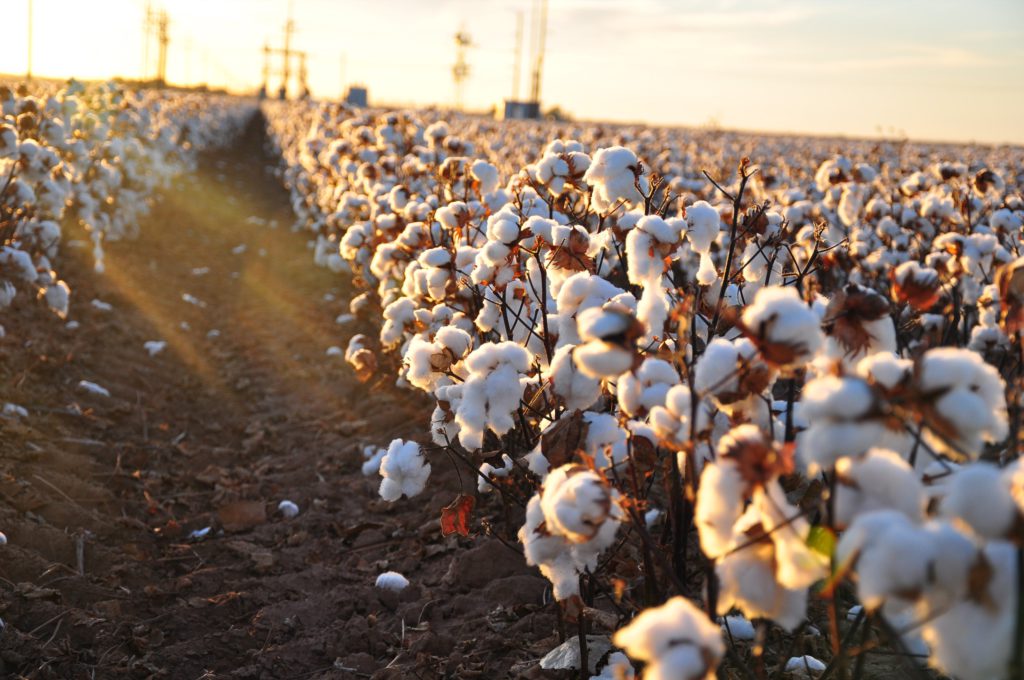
<point x="99" y="496"/>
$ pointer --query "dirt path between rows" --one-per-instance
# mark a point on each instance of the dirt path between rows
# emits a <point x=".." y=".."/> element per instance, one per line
<point x="100" y="496"/>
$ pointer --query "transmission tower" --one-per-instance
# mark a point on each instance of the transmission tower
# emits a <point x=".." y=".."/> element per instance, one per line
<point x="540" y="35"/>
<point x="460" y="71"/>
<point x="163" y="37"/>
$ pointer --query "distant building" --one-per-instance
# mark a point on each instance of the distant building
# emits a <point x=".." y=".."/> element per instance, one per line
<point x="357" y="96"/>
<point x="519" y="110"/>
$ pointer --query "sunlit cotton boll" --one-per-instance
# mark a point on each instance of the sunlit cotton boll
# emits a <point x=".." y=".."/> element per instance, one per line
<point x="404" y="470"/>
<point x="614" y="174"/>
<point x="288" y="509"/>
<point x="786" y="331"/>
<point x="677" y="641"/>
<point x="392" y="580"/>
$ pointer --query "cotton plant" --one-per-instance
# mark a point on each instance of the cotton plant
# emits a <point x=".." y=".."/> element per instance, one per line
<point x="823" y="348"/>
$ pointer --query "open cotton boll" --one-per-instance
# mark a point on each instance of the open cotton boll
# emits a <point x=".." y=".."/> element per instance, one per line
<point x="551" y="553"/>
<point x="288" y="509"/>
<point x="392" y="580"/>
<point x="616" y="668"/>
<point x="609" y="334"/>
<point x="838" y="411"/>
<point x="487" y="175"/>
<point x="642" y="390"/>
<point x="786" y="331"/>
<point x="974" y="638"/>
<point x="893" y="558"/>
<point x="671" y="422"/>
<point x="805" y="667"/>
<point x="613" y="174"/>
<point x="720" y="500"/>
<point x="606" y="440"/>
<point x="488" y="471"/>
<point x="676" y="640"/>
<point x="879" y="479"/>
<point x="577" y="503"/>
<point x="576" y="388"/>
<point x="491" y="392"/>
<point x="704" y="223"/>
<point x="747" y="582"/>
<point x="58" y="297"/>
<point x="372" y="456"/>
<point x="154" y="347"/>
<point x="979" y="494"/>
<point x="404" y="470"/>
<point x="967" y="400"/>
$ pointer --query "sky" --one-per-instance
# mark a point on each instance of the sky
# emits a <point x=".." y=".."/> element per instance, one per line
<point x="928" y="69"/>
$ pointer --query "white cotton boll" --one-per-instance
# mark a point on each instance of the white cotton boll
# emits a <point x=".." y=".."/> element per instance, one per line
<point x="606" y="440"/>
<point x="835" y="409"/>
<point x="392" y="580"/>
<point x="805" y="667"/>
<point x="486" y="174"/>
<point x="653" y="310"/>
<point x="893" y="557"/>
<point x="617" y="668"/>
<point x="154" y="347"/>
<point x="716" y="370"/>
<point x="372" y="456"/>
<point x="11" y="410"/>
<point x="878" y="480"/>
<point x="58" y="297"/>
<point x="738" y="628"/>
<point x="492" y="391"/>
<point x="974" y="639"/>
<point x="404" y="470"/>
<point x="577" y="389"/>
<point x="788" y="332"/>
<point x="614" y="173"/>
<point x="707" y="273"/>
<point x="551" y="553"/>
<point x="288" y="509"/>
<point x="970" y="399"/>
<point x="640" y="391"/>
<point x="676" y="640"/>
<point x="577" y="503"/>
<point x="335" y="351"/>
<point x="719" y="505"/>
<point x="93" y="388"/>
<point x="704" y="224"/>
<point x="101" y="305"/>
<point x="488" y="471"/>
<point x="885" y="369"/>
<point x="602" y="360"/>
<point x="748" y="583"/>
<point x="979" y="495"/>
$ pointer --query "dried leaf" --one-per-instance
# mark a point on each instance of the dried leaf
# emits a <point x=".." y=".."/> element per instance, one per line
<point x="455" y="516"/>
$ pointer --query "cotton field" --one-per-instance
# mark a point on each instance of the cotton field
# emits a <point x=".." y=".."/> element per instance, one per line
<point x="726" y="382"/>
<point x="304" y="389"/>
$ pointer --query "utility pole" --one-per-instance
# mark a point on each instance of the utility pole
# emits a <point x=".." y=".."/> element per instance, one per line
<point x="164" y="38"/>
<point x="540" y="38"/>
<point x="147" y="32"/>
<point x="519" y="56"/>
<point x="28" y="70"/>
<point x="460" y="71"/>
<point x="289" y="28"/>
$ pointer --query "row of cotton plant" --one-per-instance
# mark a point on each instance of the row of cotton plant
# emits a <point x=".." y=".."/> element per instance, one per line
<point x="84" y="162"/>
<point x="811" y="359"/>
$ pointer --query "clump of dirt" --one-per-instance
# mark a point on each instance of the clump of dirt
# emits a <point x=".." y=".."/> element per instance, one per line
<point x="144" y="534"/>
